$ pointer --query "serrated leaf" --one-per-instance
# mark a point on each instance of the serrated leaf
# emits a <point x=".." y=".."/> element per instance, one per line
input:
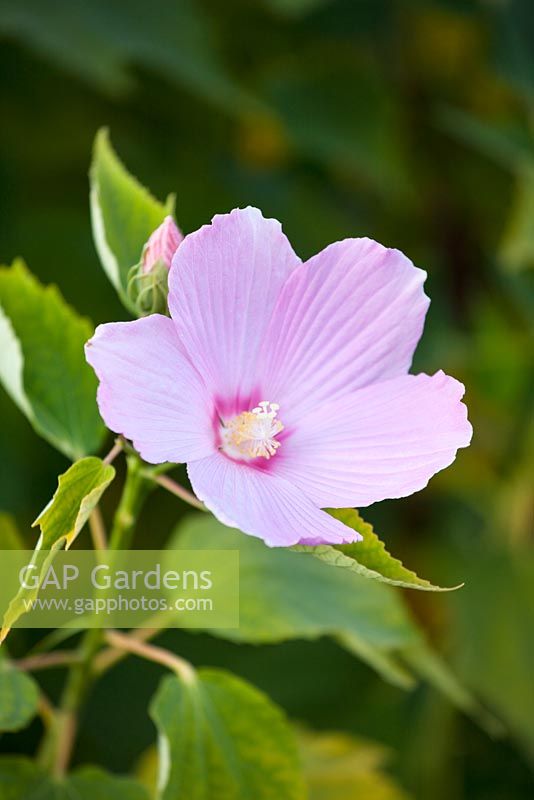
<point x="368" y="557"/>
<point x="21" y="778"/>
<point x="221" y="737"/>
<point x="43" y="365"/>
<point x="79" y="491"/>
<point x="285" y="596"/>
<point x="19" y="697"/>
<point x="123" y="214"/>
<point x="339" y="766"/>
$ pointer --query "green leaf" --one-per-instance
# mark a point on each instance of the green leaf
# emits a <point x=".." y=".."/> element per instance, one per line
<point x="123" y="214"/>
<point x="79" y="491"/>
<point x="341" y="767"/>
<point x="368" y="557"/>
<point x="295" y="8"/>
<point x="492" y="636"/>
<point x="434" y="671"/>
<point x="285" y="596"/>
<point x="43" y="366"/>
<point x="19" y="697"/>
<point x="510" y="148"/>
<point x="312" y="84"/>
<point x="220" y="737"/>
<point x="514" y="151"/>
<point x="337" y="766"/>
<point x="109" y="48"/>
<point x="21" y="779"/>
<point x="517" y="245"/>
<point x="10" y="538"/>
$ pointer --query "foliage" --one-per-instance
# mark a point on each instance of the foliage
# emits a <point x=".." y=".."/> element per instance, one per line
<point x="43" y="365"/>
<point x="123" y="213"/>
<point x="341" y="767"/>
<point x="410" y="123"/>
<point x="79" y="491"/>
<point x="285" y="595"/>
<point x="369" y="557"/>
<point x="510" y="583"/>
<point x="21" y="778"/>
<point x="19" y="697"/>
<point x="208" y="750"/>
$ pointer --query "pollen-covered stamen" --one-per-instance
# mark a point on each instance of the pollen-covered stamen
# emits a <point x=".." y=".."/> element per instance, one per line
<point x="252" y="433"/>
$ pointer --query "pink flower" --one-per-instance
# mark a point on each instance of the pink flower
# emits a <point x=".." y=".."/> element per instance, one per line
<point x="283" y="385"/>
<point x="162" y="245"/>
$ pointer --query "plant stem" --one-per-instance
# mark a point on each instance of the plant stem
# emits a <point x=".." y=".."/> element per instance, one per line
<point x="152" y="653"/>
<point x="58" y="742"/>
<point x="114" y="452"/>
<point x="46" y="710"/>
<point x="179" y="491"/>
<point x="58" y="658"/>
<point x="110" y="656"/>
<point x="134" y="494"/>
<point x="98" y="530"/>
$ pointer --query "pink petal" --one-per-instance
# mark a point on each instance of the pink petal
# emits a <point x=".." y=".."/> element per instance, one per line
<point x="348" y="317"/>
<point x="150" y="392"/>
<point x="224" y="282"/>
<point x="383" y="441"/>
<point x="262" y="504"/>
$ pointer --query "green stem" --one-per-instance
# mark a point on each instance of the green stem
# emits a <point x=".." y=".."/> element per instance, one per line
<point x="134" y="494"/>
<point x="58" y="742"/>
<point x="59" y="739"/>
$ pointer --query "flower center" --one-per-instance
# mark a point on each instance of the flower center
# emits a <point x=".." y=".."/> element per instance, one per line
<point x="252" y="433"/>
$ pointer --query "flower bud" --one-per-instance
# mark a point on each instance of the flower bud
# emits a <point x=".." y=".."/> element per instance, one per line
<point x="148" y="280"/>
<point x="162" y="245"/>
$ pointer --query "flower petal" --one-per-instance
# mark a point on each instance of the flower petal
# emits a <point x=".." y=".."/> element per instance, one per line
<point x="150" y="392"/>
<point x="224" y="283"/>
<point x="263" y="504"/>
<point x="383" y="441"/>
<point x="348" y="317"/>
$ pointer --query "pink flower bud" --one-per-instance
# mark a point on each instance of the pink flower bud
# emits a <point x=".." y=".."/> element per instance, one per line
<point x="162" y="245"/>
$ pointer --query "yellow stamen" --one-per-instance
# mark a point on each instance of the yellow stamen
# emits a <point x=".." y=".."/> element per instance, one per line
<point x="252" y="433"/>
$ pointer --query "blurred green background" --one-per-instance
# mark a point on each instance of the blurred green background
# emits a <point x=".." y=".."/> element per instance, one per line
<point x="410" y="122"/>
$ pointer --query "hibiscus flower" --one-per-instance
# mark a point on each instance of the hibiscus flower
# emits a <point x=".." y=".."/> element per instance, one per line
<point x="283" y="385"/>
